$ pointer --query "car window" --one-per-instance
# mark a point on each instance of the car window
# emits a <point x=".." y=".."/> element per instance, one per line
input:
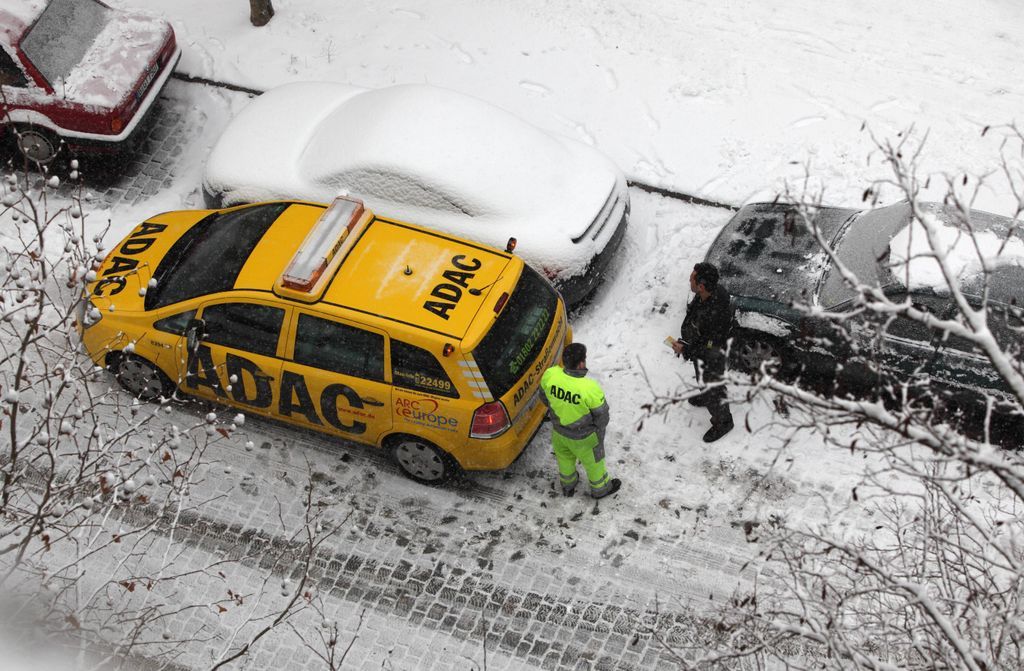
<point x="389" y="186"/>
<point x="910" y="329"/>
<point x="175" y="323"/>
<point x="10" y="73"/>
<point x="208" y="258"/>
<point x="250" y="327"/>
<point x="1007" y="325"/>
<point x="518" y="334"/>
<point x="413" y="367"/>
<point x="329" y="345"/>
<point x="62" y="35"/>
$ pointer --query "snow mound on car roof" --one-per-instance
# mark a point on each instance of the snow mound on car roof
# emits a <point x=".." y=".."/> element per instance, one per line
<point x="414" y="130"/>
<point x="914" y="265"/>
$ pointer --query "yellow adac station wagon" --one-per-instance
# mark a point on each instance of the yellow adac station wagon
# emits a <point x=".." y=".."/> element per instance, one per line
<point x="333" y="318"/>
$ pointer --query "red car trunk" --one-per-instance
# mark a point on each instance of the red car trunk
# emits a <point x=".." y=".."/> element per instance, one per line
<point x="91" y="85"/>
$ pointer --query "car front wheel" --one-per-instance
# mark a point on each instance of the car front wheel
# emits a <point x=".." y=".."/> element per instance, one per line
<point x="422" y="461"/>
<point x="754" y="353"/>
<point x="141" y="378"/>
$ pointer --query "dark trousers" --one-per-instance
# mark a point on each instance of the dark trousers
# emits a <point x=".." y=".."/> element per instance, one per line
<point x="710" y="369"/>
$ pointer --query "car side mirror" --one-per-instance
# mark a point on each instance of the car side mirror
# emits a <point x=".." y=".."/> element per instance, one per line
<point x="194" y="334"/>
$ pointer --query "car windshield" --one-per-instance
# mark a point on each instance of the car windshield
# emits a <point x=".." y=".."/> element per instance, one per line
<point x="209" y="257"/>
<point x="518" y="334"/>
<point x="62" y="35"/>
<point x="863" y="247"/>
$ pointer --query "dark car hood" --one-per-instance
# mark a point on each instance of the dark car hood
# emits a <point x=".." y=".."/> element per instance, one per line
<point x="766" y="251"/>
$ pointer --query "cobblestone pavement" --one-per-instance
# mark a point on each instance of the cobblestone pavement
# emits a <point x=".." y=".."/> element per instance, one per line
<point x="496" y="572"/>
<point x="169" y="154"/>
<point x="430" y="578"/>
<point x="153" y="168"/>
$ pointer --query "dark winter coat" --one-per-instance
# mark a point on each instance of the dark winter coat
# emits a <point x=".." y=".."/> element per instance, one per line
<point x="705" y="329"/>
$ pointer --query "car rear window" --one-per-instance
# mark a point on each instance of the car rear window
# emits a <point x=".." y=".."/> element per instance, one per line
<point x="863" y="247"/>
<point x="208" y="258"/>
<point x="62" y="35"/>
<point x="518" y="335"/>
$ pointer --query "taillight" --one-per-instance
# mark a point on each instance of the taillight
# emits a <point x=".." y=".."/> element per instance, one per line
<point x="116" y="125"/>
<point x="490" y="420"/>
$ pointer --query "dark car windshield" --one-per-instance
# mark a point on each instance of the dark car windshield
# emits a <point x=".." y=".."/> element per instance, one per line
<point x="863" y="247"/>
<point x="62" y="35"/>
<point x="208" y="258"/>
<point x="518" y="334"/>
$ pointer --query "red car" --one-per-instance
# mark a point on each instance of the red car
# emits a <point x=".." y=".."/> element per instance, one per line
<point x="80" y="72"/>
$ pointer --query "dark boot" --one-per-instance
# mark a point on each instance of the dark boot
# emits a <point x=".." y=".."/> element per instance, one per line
<point x="615" y="485"/>
<point x="718" y="430"/>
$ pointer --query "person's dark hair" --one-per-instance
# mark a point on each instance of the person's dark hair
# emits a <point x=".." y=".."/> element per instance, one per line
<point x="707" y="275"/>
<point x="573" y="355"/>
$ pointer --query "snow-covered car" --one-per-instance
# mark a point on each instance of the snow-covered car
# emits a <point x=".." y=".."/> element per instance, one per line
<point x="431" y="155"/>
<point x="770" y="263"/>
<point x="80" y="72"/>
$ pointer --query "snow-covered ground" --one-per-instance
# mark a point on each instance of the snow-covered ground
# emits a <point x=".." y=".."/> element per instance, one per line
<point x="725" y="100"/>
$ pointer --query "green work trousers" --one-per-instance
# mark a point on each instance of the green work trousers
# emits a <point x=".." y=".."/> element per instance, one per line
<point x="588" y="451"/>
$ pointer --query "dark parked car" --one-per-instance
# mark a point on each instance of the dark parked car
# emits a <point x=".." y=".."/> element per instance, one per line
<point x="769" y="262"/>
<point x="80" y="72"/>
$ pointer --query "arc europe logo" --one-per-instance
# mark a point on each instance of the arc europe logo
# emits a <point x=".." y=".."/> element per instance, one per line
<point x="423" y="411"/>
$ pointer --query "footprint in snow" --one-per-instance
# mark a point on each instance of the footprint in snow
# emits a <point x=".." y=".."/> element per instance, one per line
<point x="534" y="87"/>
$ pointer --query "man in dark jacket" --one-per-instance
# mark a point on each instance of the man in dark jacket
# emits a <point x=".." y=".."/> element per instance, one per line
<point x="704" y="337"/>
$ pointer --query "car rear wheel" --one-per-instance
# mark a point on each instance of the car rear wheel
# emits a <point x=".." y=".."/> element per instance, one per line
<point x="141" y="378"/>
<point x="752" y="352"/>
<point x="422" y="461"/>
<point x="38" y="145"/>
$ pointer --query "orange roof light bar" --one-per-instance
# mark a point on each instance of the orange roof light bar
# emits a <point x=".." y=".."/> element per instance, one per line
<point x="321" y="244"/>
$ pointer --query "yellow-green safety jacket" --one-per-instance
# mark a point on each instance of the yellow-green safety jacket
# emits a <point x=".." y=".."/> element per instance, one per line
<point x="576" y="403"/>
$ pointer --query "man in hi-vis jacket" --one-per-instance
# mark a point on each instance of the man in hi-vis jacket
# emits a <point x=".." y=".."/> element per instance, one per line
<point x="579" y="416"/>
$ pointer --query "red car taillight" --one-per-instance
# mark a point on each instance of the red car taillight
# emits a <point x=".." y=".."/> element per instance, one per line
<point x="490" y="420"/>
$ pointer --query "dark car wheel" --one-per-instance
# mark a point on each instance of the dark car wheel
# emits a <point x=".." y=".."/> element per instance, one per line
<point x="421" y="460"/>
<point x="750" y="351"/>
<point x="38" y="145"/>
<point x="141" y="378"/>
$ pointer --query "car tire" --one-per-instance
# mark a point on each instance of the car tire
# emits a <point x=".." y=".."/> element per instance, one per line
<point x="37" y="144"/>
<point x="752" y="350"/>
<point x="141" y="378"/>
<point x="421" y="460"/>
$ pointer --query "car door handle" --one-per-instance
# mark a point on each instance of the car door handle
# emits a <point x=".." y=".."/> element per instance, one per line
<point x="371" y="401"/>
<point x="263" y="376"/>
